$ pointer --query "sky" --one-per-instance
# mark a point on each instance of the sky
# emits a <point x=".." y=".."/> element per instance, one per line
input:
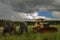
<point x="47" y="14"/>
<point x="16" y="9"/>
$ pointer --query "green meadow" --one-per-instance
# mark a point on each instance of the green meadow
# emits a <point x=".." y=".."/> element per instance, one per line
<point x="33" y="36"/>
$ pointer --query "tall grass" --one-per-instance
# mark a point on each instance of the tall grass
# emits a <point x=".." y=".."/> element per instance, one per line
<point x="33" y="36"/>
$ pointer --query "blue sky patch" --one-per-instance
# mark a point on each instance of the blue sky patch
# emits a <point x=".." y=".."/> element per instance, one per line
<point x="47" y="14"/>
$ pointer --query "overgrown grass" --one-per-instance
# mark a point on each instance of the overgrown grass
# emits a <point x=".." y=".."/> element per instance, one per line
<point x="33" y="36"/>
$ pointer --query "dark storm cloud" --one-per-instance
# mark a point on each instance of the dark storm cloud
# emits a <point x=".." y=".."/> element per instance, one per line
<point x="27" y="5"/>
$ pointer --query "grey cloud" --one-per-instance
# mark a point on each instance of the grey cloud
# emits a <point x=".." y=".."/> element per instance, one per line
<point x="27" y="5"/>
<point x="6" y="11"/>
<point x="56" y="14"/>
<point x="12" y="8"/>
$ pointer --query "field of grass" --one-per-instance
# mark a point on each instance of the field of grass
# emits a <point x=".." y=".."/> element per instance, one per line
<point x="33" y="36"/>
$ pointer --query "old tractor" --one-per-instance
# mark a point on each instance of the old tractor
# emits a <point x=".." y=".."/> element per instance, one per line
<point x="42" y="26"/>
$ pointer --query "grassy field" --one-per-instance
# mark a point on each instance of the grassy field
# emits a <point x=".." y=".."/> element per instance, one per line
<point x="33" y="36"/>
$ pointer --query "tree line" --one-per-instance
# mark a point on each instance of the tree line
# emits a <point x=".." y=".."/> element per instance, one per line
<point x="31" y="23"/>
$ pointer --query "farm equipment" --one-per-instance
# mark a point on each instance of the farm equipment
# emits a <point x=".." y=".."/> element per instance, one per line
<point x="42" y="26"/>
